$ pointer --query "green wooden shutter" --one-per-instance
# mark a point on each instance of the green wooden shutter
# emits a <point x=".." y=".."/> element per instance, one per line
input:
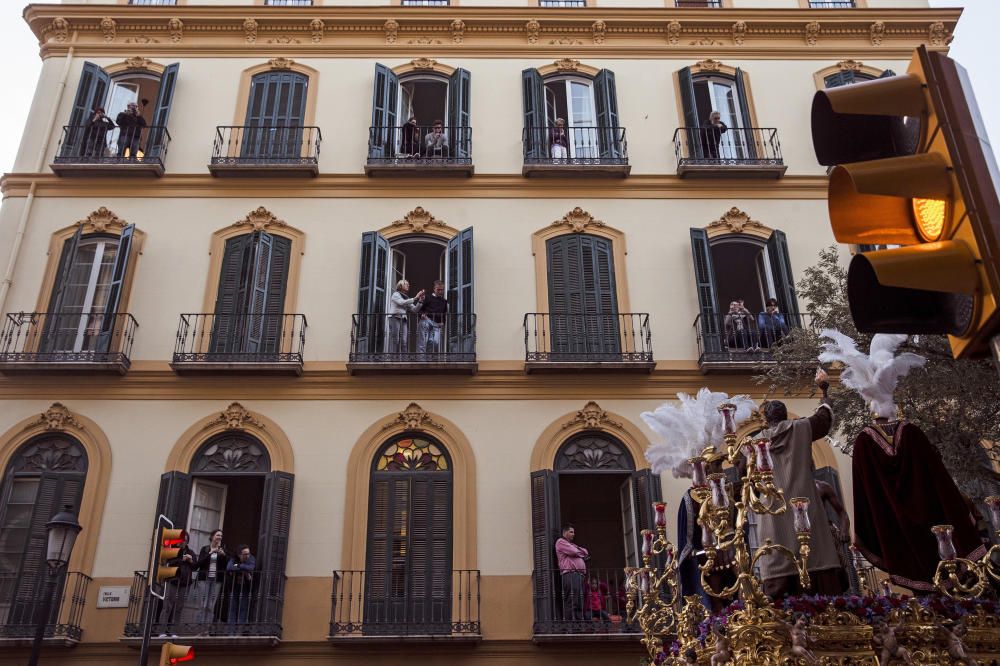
<point x="90" y="94"/>
<point x="428" y="576"/>
<point x="382" y="136"/>
<point x="174" y="498"/>
<point x="606" y="101"/>
<point x="747" y="139"/>
<point x="122" y="256"/>
<point x="582" y="298"/>
<point x="275" y="115"/>
<point x="459" y="99"/>
<point x="704" y="277"/>
<point x="533" y="98"/>
<point x="544" y="532"/>
<point x="372" y="291"/>
<point x="231" y="298"/>
<point x="258" y="283"/>
<point x="459" y="275"/>
<point x="161" y="111"/>
<point x="385" y="565"/>
<point x="274" y="308"/>
<point x="843" y="78"/>
<point x="52" y="325"/>
<point x="781" y="273"/>
<point x="272" y="545"/>
<point x="692" y="119"/>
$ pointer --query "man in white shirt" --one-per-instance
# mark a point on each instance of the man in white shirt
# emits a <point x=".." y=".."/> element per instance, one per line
<point x="397" y="327"/>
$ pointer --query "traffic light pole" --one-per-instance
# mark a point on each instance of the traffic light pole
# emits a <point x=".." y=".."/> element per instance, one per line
<point x="147" y="626"/>
<point x="148" y="595"/>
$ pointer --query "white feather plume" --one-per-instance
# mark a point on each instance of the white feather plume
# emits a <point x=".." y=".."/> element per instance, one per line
<point x="874" y="375"/>
<point x="686" y="429"/>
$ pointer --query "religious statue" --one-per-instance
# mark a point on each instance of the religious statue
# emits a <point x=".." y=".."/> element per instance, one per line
<point x="723" y="653"/>
<point x="800" y="639"/>
<point x="956" y="648"/>
<point x="887" y="646"/>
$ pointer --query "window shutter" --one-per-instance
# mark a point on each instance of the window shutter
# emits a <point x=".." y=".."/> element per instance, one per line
<point x="429" y="571"/>
<point x="372" y="290"/>
<point x="887" y="73"/>
<point x="606" y="100"/>
<point x="230" y="302"/>
<point x="90" y="93"/>
<point x="258" y="284"/>
<point x="544" y="532"/>
<point x="274" y="308"/>
<point x="388" y="504"/>
<point x="582" y="299"/>
<point x="748" y="139"/>
<point x="174" y="498"/>
<point x="275" y="114"/>
<point x="122" y="256"/>
<point x="647" y="490"/>
<point x="459" y="98"/>
<point x="600" y="302"/>
<point x="161" y="110"/>
<point x="533" y="98"/>
<point x="704" y="277"/>
<point x="66" y="261"/>
<point x="781" y="272"/>
<point x="459" y="274"/>
<point x="692" y="119"/>
<point x="272" y="546"/>
<point x="843" y="78"/>
<point x="383" y="112"/>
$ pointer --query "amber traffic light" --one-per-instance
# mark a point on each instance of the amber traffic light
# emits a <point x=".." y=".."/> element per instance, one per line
<point x="913" y="168"/>
<point x="175" y="654"/>
<point x="170" y="547"/>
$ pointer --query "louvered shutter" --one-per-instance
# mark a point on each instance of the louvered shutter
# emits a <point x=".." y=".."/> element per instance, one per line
<point x="781" y="273"/>
<point x="272" y="546"/>
<point x="459" y="100"/>
<point x="886" y="74"/>
<point x="747" y="138"/>
<point x="565" y="302"/>
<point x="533" y="98"/>
<point x="648" y="489"/>
<point x="52" y="326"/>
<point x="843" y="78"/>
<point x="161" y="111"/>
<point x="274" y="308"/>
<point x="704" y="277"/>
<point x="582" y="297"/>
<point x="174" y="498"/>
<point x="258" y="285"/>
<point x="692" y="118"/>
<point x="544" y="532"/>
<point x="459" y="275"/>
<point x="90" y="94"/>
<point x="606" y="101"/>
<point x="372" y="293"/>
<point x="109" y="323"/>
<point x="230" y="300"/>
<point x="428" y="576"/>
<point x="384" y="96"/>
<point x="605" y="338"/>
<point x="387" y="505"/>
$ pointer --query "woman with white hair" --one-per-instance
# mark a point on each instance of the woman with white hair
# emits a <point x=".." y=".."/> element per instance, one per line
<point x="397" y="327"/>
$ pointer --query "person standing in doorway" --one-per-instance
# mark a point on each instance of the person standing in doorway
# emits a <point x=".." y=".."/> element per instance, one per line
<point x="240" y="572"/>
<point x="97" y="134"/>
<point x="409" y="145"/>
<point x="771" y="324"/>
<point x="432" y="317"/>
<point x="212" y="563"/>
<point x="711" y="134"/>
<point x="436" y="141"/>
<point x="573" y="571"/>
<point x="558" y="140"/>
<point x="130" y="125"/>
<point x="397" y="324"/>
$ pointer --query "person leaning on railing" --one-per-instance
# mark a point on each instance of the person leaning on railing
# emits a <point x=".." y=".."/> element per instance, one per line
<point x="97" y="133"/>
<point x="436" y="141"/>
<point x="131" y="124"/>
<point x="771" y="324"/>
<point x="397" y="326"/>
<point x="409" y="144"/>
<point x="711" y="134"/>
<point x="558" y="140"/>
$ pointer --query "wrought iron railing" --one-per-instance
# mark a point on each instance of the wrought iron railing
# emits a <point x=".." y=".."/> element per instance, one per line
<point x="617" y="338"/>
<point x="711" y="4"/>
<point x="289" y="3"/>
<point x="240" y="338"/>
<point x="263" y="145"/>
<point x="581" y="603"/>
<point x="419" y="145"/>
<point x="832" y="4"/>
<point x="83" y="144"/>
<point x="62" y="337"/>
<point x="22" y="599"/>
<point x="384" y="604"/>
<point x="737" y="146"/>
<point x="377" y="337"/>
<point x="562" y="3"/>
<point x="575" y="145"/>
<point x="745" y="338"/>
<point x="425" y="3"/>
<point x="238" y="605"/>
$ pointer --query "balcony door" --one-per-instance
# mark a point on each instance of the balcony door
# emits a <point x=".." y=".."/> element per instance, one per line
<point x="250" y="302"/>
<point x="705" y="92"/>
<point x="589" y="107"/>
<point x="583" y="301"/>
<point x="409" y="544"/>
<point x="275" y="116"/>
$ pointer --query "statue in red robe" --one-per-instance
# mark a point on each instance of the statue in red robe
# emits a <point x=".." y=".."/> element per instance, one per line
<point x="901" y="490"/>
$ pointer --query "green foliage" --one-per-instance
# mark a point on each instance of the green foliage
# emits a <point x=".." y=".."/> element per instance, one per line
<point x="957" y="403"/>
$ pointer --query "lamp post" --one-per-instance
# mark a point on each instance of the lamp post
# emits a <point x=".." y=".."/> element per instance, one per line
<point x="62" y="531"/>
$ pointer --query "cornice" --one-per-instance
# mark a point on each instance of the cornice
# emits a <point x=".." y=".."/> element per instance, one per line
<point x="238" y="31"/>
<point x="353" y="186"/>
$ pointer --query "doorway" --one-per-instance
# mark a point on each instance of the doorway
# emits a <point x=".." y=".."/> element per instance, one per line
<point x="721" y="94"/>
<point x="573" y="101"/>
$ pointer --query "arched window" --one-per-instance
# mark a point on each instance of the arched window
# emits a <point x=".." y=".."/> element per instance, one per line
<point x="276" y="109"/>
<point x="409" y="552"/>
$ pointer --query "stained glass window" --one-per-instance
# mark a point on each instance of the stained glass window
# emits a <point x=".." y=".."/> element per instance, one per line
<point x="412" y="454"/>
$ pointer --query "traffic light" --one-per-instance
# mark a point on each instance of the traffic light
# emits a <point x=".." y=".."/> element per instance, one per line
<point x="913" y="168"/>
<point x="175" y="654"/>
<point x="170" y="547"/>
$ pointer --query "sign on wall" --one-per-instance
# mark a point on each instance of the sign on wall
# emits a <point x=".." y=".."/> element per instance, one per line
<point x="113" y="596"/>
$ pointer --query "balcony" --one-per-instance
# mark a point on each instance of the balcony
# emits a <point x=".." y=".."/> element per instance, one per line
<point x="704" y="4"/>
<point x="266" y="151"/>
<point x="593" y="151"/>
<point x="406" y="345"/>
<point x="67" y="342"/>
<point x="832" y="4"/>
<point x="561" y="617"/>
<point x="360" y="614"/>
<point x="240" y="343"/>
<point x="728" y="343"/>
<point x="83" y="151"/>
<point x="582" y="342"/>
<point x="240" y="616"/>
<point x="20" y="603"/>
<point x="740" y="152"/>
<point x="416" y="150"/>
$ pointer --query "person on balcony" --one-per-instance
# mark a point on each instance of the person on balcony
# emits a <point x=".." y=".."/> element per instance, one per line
<point x="572" y="570"/>
<point x="771" y="324"/>
<point x="212" y="563"/>
<point x="433" y="313"/>
<point x="240" y="573"/>
<point x="97" y="134"/>
<point x="739" y="325"/>
<point x="130" y="124"/>
<point x="594" y="603"/>
<point x="409" y="144"/>
<point x="436" y="141"/>
<point x="397" y="325"/>
<point x="711" y="134"/>
<point x="559" y="140"/>
<point x="176" y="588"/>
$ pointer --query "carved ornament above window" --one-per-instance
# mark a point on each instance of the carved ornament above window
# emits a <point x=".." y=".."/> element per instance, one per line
<point x="594" y="451"/>
<point x="50" y="453"/>
<point x="232" y="453"/>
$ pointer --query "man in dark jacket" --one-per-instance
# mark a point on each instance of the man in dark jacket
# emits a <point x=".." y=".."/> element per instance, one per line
<point x="240" y="573"/>
<point x="711" y="135"/>
<point x="97" y="133"/>
<point x="176" y="588"/>
<point x="433" y="313"/>
<point x="130" y="125"/>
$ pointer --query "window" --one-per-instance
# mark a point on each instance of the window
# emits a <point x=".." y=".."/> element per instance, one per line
<point x="562" y="3"/>
<point x="152" y="2"/>
<point x="275" y="116"/>
<point x="847" y="77"/>
<point x="710" y="4"/>
<point x="583" y="299"/>
<point x="703" y="93"/>
<point x="289" y="3"/>
<point x="425" y="3"/>
<point x="831" y="4"/>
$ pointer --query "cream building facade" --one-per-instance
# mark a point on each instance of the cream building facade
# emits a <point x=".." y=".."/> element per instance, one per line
<point x="195" y="314"/>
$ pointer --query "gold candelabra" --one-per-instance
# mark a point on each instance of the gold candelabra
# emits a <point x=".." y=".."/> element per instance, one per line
<point x="962" y="578"/>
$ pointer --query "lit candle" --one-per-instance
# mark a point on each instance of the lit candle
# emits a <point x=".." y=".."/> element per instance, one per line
<point x="644" y="581"/>
<point x="856" y="556"/>
<point x="764" y="461"/>
<point x="720" y="498"/>
<point x="993" y="502"/>
<point x="728" y="411"/>
<point x="697" y="472"/>
<point x="747" y="450"/>
<point x="800" y="514"/>
<point x="946" y="549"/>
<point x="647" y="543"/>
<point x="660" y="512"/>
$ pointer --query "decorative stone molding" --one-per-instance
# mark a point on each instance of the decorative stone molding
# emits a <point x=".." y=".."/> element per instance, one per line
<point x="592" y="417"/>
<point x="281" y="63"/>
<point x="260" y="219"/>
<point x="593" y="451"/>
<point x="458" y="31"/>
<point x="674" y="32"/>
<point x="176" y="28"/>
<point x="232" y="455"/>
<point x="250" y="26"/>
<point x="578" y="220"/>
<point x="533" y="28"/>
<point x="57" y="417"/>
<point x="736" y="221"/>
<point x="109" y="28"/>
<point x="600" y="30"/>
<point x="567" y="65"/>
<point x="51" y="454"/>
<point x="237" y="417"/>
<point x="59" y="29"/>
<point x="813" y="29"/>
<point x="739" y="32"/>
<point x="391" y="28"/>
<point x="414" y="417"/>
<point x="138" y="62"/>
<point x="418" y="220"/>
<point x="424" y="64"/>
<point x="102" y="221"/>
<point x="708" y="65"/>
<point x="938" y="34"/>
<point x="877" y="32"/>
<point x="317" y="27"/>
<point x="850" y="65"/>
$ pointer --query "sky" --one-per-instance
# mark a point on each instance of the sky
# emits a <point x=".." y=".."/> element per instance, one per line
<point x="976" y="31"/>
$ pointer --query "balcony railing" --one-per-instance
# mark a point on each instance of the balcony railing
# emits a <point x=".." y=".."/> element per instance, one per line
<point x="240" y="342"/>
<point x="412" y="342"/>
<point x="731" y="342"/>
<point x="363" y="607"/>
<point x="572" y="606"/>
<point x="22" y="598"/>
<point x="61" y="341"/>
<point x="88" y="151"/>
<point x="266" y="150"/>
<point x="419" y="150"/>
<point x="832" y="4"/>
<point x="739" y="151"/>
<point x="562" y="3"/>
<point x="232" y="611"/>
<point x="597" y="150"/>
<point x="619" y="341"/>
<point x="710" y="4"/>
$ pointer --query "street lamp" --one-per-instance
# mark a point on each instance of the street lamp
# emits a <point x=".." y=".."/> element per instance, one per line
<point x="62" y="531"/>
